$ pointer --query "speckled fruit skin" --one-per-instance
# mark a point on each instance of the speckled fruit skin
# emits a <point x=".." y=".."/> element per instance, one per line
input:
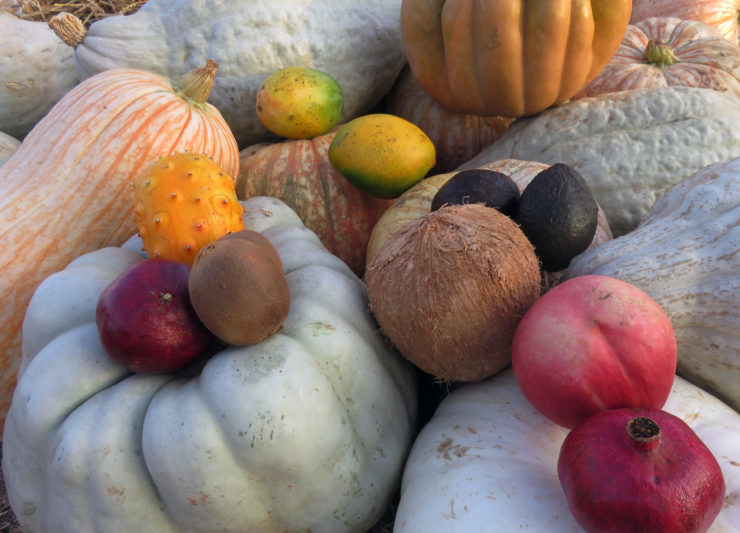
<point x="146" y="321"/>
<point x="594" y="343"/>
<point x="299" y="102"/>
<point x="183" y="202"/>
<point x="382" y="154"/>
<point x="238" y="288"/>
<point x="665" y="483"/>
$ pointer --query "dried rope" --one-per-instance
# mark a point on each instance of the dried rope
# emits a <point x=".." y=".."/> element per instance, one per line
<point x="87" y="10"/>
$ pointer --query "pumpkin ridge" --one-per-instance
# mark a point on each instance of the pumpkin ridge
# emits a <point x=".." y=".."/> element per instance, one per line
<point x="523" y="79"/>
<point x="338" y="321"/>
<point x="100" y="89"/>
<point x="452" y="24"/>
<point x="124" y="149"/>
<point x="326" y="194"/>
<point x="569" y="59"/>
<point x="187" y="120"/>
<point x="17" y="202"/>
<point x="479" y="56"/>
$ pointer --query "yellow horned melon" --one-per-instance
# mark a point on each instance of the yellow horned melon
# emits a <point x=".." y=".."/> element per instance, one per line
<point x="183" y="202"/>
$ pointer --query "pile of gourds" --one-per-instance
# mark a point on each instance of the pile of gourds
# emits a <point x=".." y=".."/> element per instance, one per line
<point x="321" y="426"/>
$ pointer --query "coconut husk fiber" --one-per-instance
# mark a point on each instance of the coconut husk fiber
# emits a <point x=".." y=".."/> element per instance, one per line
<point x="449" y="288"/>
<point x="86" y="10"/>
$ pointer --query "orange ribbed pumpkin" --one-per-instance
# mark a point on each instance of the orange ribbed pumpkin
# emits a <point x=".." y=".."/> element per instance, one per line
<point x="509" y="57"/>
<point x="667" y="51"/>
<point x="722" y="14"/>
<point x="300" y="174"/>
<point x="67" y="189"/>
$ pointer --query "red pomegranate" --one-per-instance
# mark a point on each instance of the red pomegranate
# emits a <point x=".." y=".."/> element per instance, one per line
<point x="639" y="469"/>
<point x="146" y="321"/>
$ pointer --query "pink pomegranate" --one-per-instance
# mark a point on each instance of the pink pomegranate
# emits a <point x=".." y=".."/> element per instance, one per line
<point x="594" y="343"/>
<point x="146" y="321"/>
<point x="640" y="469"/>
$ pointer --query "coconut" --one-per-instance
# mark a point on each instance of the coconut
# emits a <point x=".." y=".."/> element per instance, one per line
<point x="449" y="288"/>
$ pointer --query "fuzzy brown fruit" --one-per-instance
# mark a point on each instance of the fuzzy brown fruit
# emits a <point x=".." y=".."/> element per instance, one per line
<point x="448" y="289"/>
<point x="238" y="288"/>
<point x="259" y="240"/>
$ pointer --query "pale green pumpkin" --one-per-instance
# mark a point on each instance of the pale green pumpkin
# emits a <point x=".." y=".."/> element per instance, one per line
<point x="359" y="44"/>
<point x="37" y="70"/>
<point x="686" y="255"/>
<point x="630" y="146"/>
<point x="305" y="431"/>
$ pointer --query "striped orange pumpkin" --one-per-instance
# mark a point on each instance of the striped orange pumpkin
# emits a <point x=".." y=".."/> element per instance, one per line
<point x="300" y="174"/>
<point x="667" y="51"/>
<point x="722" y="14"/>
<point x="67" y="189"/>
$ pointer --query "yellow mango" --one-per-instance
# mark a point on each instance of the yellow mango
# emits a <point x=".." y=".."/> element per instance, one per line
<point x="382" y="154"/>
<point x="299" y="102"/>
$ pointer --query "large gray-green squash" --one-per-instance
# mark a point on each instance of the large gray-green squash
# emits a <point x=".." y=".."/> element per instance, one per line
<point x="357" y="43"/>
<point x="307" y="430"/>
<point x="36" y="70"/>
<point x="630" y="146"/>
<point x="686" y="255"/>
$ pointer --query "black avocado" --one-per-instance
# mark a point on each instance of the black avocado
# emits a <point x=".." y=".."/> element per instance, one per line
<point x="479" y="186"/>
<point x="558" y="214"/>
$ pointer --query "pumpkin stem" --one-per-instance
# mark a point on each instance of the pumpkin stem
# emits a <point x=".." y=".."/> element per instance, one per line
<point x="69" y="28"/>
<point x="644" y="433"/>
<point x="659" y="53"/>
<point x="196" y="85"/>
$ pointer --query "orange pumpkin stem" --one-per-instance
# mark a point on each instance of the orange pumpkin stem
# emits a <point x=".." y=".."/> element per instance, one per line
<point x="196" y="85"/>
<point x="659" y="53"/>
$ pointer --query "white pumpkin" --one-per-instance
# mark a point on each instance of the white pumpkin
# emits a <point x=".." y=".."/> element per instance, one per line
<point x="8" y="145"/>
<point x="36" y="70"/>
<point x="631" y="146"/>
<point x="686" y="255"/>
<point x="358" y="43"/>
<point x="306" y="431"/>
<point x="487" y="461"/>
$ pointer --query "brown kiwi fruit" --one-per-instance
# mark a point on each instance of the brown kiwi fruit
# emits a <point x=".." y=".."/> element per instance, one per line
<point x="258" y="239"/>
<point x="238" y="288"/>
